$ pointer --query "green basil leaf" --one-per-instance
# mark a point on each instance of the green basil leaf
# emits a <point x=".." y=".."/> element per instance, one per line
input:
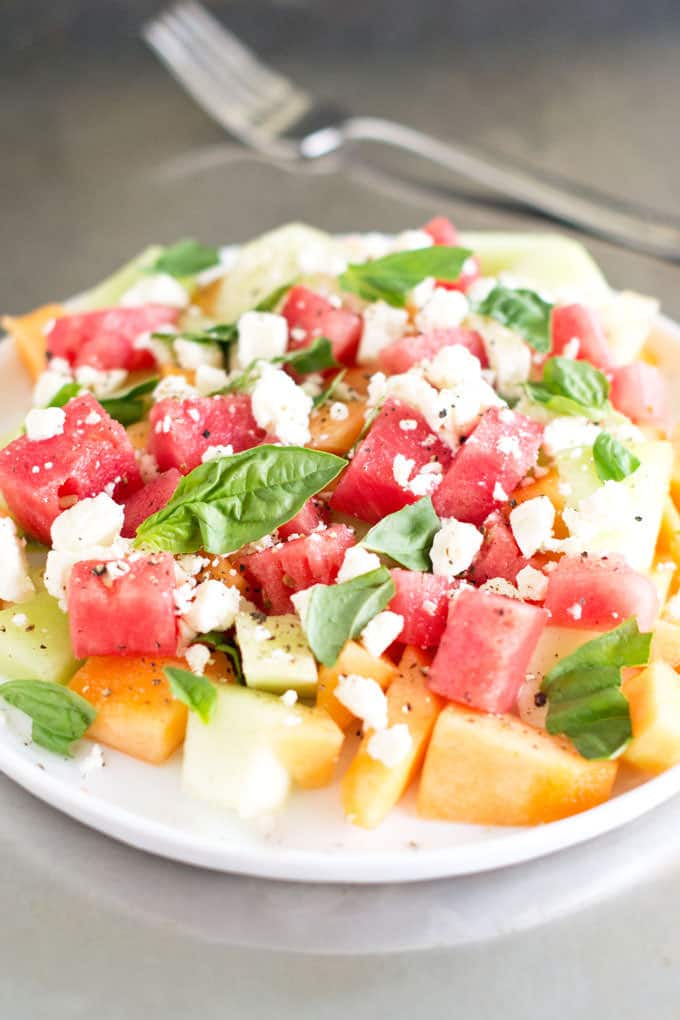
<point x="406" y="536"/>
<point x="271" y="301"/>
<point x="585" y="701"/>
<point x="67" y="392"/>
<point x="226" y="333"/>
<point x="186" y="258"/>
<point x="325" y="395"/>
<point x="522" y="311"/>
<point x="338" y="612"/>
<point x="130" y="407"/>
<point x="578" y="380"/>
<point x="195" y="691"/>
<point x="391" y="278"/>
<point x="222" y="643"/>
<point x="613" y="462"/>
<point x="225" y="503"/>
<point x="59" y="715"/>
<point x="317" y="357"/>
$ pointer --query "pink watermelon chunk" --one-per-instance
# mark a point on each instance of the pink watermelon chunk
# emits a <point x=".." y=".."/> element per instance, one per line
<point x="274" y="574"/>
<point x="132" y="614"/>
<point x="499" y="452"/>
<point x="576" y="322"/>
<point x="310" y="315"/>
<point x="182" y="430"/>
<point x="485" y="650"/>
<point x="639" y="391"/>
<point x="306" y="520"/>
<point x="423" y="600"/>
<point x="105" y="338"/>
<point x="599" y="594"/>
<point x="402" y="354"/>
<point x="442" y="231"/>
<point x="40" y="478"/>
<point x="368" y="488"/>
<point x="148" y="500"/>
<point x="499" y="555"/>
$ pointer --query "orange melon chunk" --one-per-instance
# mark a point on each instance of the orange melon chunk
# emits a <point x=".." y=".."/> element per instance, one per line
<point x="139" y="435"/>
<point x="369" y="788"/>
<point x="352" y="659"/>
<point x="27" y="331"/>
<point x="654" y="697"/>
<point x="336" y="436"/>
<point x="495" y="770"/>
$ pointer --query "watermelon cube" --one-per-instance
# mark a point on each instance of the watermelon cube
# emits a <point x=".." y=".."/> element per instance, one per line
<point x="494" y="459"/>
<point x="639" y="391"/>
<point x="306" y="520"/>
<point x="485" y="650"/>
<point x="310" y="315"/>
<point x="576" y="322"/>
<point x="182" y="430"/>
<point x="105" y="338"/>
<point x="442" y="231"/>
<point x="423" y="600"/>
<point x="402" y="354"/>
<point x="368" y="489"/>
<point x="123" y="608"/>
<point x="92" y="455"/>
<point x="499" y="555"/>
<point x="599" y="594"/>
<point x="274" y="574"/>
<point x="148" y="500"/>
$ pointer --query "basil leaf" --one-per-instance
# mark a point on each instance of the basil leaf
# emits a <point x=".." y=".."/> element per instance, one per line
<point x="317" y="357"/>
<point x="392" y="277"/>
<point x="186" y="258"/>
<point x="571" y="387"/>
<point x="226" y="333"/>
<point x="221" y="643"/>
<point x="67" y="392"/>
<point x="325" y="395"/>
<point x="613" y="462"/>
<point x="338" y="612"/>
<point x="585" y="701"/>
<point x="225" y="503"/>
<point x="269" y="303"/>
<point x="195" y="691"/>
<point x="406" y="536"/>
<point x="129" y="407"/>
<point x="59" y="715"/>
<point x="522" y="311"/>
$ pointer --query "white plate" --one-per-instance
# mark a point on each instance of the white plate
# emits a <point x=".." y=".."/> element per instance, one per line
<point x="143" y="805"/>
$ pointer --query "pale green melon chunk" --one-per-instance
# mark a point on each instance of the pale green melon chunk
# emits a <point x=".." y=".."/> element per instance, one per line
<point x="35" y="642"/>
<point x="275" y="654"/>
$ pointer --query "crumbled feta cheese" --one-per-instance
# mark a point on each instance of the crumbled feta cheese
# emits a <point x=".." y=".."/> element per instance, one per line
<point x="339" y="411"/>
<point x="445" y="310"/>
<point x="464" y="393"/>
<point x="532" y="584"/>
<point x="427" y="479"/>
<point x="381" y="632"/>
<point x="499" y="493"/>
<point x="300" y="600"/>
<point x="571" y="348"/>
<point x="408" y="424"/>
<point x="213" y="607"/>
<point x="364" y="698"/>
<point x="20" y="620"/>
<point x="430" y="607"/>
<point x="401" y="470"/>
<point x="480" y="289"/>
<point x="102" y="383"/>
<point x="568" y="432"/>
<point x="116" y="569"/>
<point x="198" y="657"/>
<point x="281" y="407"/>
<point x="357" y="561"/>
<point x="508" y="354"/>
<point x="209" y="379"/>
<point x="217" y="451"/>
<point x="575" y="611"/>
<point x="15" y="584"/>
<point x="261" y="336"/>
<point x="607" y="521"/>
<point x="412" y="240"/>
<point x="390" y="746"/>
<point x="156" y="289"/>
<point x="45" y="423"/>
<point x="289" y="698"/>
<point x="93" y="760"/>
<point x="532" y="524"/>
<point x="190" y="355"/>
<point x="500" y="586"/>
<point x="383" y="324"/>
<point x="174" y="387"/>
<point x="454" y="547"/>
<point x="51" y="381"/>
<point x="192" y="564"/>
<point x="161" y="351"/>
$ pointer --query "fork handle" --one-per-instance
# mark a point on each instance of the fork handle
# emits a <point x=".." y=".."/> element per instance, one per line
<point x="598" y="214"/>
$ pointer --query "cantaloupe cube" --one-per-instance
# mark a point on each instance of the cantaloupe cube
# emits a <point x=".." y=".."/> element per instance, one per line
<point x="369" y="788"/>
<point x="668" y="544"/>
<point x="654" y="696"/>
<point x="495" y="770"/>
<point x="336" y="435"/>
<point x="352" y="659"/>
<point x="220" y="568"/>
<point x="662" y="576"/>
<point x="136" y="712"/>
<point x="28" y="334"/>
<point x="139" y="435"/>
<point x="666" y="643"/>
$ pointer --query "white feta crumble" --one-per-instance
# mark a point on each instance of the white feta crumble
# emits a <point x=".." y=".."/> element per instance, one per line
<point x="198" y="657"/>
<point x="156" y="289"/>
<point x="422" y="292"/>
<point x="45" y="423"/>
<point x="380" y="632"/>
<point x="566" y="433"/>
<point x="571" y="348"/>
<point x="281" y="407"/>
<point x="174" y="387"/>
<point x="508" y="355"/>
<point x="408" y="424"/>
<point x="427" y="479"/>
<point x="161" y="351"/>
<point x="15" y="583"/>
<point x="499" y="493"/>
<point x="289" y="698"/>
<point x="339" y="411"/>
<point x="500" y="586"/>
<point x="444" y="310"/>
<point x="390" y="746"/>
<point x="383" y="324"/>
<point x="430" y="607"/>
<point x="190" y="355"/>
<point x="261" y="336"/>
<point x="192" y="564"/>
<point x="357" y="561"/>
<point x="532" y="584"/>
<point x="93" y="760"/>
<point x="217" y="451"/>
<point x="401" y="470"/>
<point x="209" y="380"/>
<point x="48" y="384"/>
<point x="364" y="698"/>
<point x="411" y="240"/>
<point x="213" y="607"/>
<point x="93" y="418"/>
<point x="532" y="524"/>
<point x="102" y="383"/>
<point x="575" y="611"/>
<point x="20" y="620"/>
<point x="301" y="600"/>
<point x="454" y="547"/>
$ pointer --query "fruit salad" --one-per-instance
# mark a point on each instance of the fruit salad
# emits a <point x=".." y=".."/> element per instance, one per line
<point x="387" y="510"/>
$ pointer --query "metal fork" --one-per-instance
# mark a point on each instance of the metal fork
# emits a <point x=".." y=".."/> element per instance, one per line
<point x="271" y="114"/>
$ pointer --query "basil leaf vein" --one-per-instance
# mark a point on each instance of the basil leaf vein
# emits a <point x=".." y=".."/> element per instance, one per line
<point x="339" y="612"/>
<point x="186" y="258"/>
<point x="613" y="462"/>
<point x="197" y="692"/>
<point x="406" y="536"/>
<point x="59" y="715"/>
<point x="392" y="277"/>
<point x="224" y="504"/>
<point x="522" y="311"/>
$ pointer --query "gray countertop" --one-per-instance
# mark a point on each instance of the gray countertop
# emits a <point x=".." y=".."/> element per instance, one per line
<point x="102" y="153"/>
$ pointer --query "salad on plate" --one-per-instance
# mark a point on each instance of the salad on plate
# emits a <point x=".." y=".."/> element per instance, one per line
<point x="396" y="508"/>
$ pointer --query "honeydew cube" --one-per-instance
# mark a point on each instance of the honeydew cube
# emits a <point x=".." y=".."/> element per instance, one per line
<point x="35" y="643"/>
<point x="275" y="654"/>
